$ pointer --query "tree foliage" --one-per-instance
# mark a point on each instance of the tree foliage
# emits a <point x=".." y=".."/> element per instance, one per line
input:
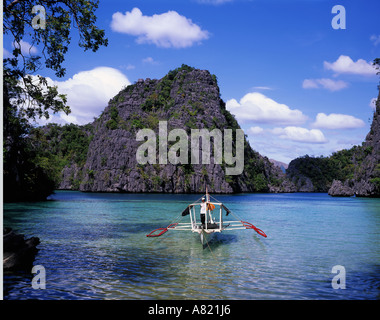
<point x="341" y="165"/>
<point x="27" y="94"/>
<point x="31" y="93"/>
<point x="376" y="64"/>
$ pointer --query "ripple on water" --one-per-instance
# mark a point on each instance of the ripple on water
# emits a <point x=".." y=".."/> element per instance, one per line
<point x="95" y="247"/>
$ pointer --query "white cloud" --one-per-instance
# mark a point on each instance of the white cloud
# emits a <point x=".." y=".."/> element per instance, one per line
<point x="375" y="39"/>
<point x="149" y="60"/>
<point x="6" y="54"/>
<point x="262" y="88"/>
<point x="26" y="48"/>
<point x="329" y="84"/>
<point x="88" y="93"/>
<point x="127" y="67"/>
<point x="310" y="84"/>
<point x="337" y="121"/>
<point x="299" y="134"/>
<point x="345" y="64"/>
<point x="168" y="29"/>
<point x="215" y="2"/>
<point x="372" y="103"/>
<point x="70" y="118"/>
<point x="257" y="107"/>
<point x="255" y="130"/>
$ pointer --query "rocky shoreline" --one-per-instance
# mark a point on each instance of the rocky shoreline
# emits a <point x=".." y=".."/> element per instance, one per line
<point x="18" y="253"/>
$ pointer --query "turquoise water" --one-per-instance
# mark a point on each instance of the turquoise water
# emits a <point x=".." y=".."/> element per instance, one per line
<point x="94" y="246"/>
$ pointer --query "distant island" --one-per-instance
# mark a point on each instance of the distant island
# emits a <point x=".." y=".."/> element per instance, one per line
<point x="282" y="165"/>
<point x="355" y="171"/>
<point x="101" y="156"/>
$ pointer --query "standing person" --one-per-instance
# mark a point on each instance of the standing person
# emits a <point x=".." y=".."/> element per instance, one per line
<point x="203" y="211"/>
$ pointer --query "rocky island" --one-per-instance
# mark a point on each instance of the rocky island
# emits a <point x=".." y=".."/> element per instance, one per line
<point x="366" y="177"/>
<point x="355" y="171"/>
<point x="185" y="98"/>
<point x="101" y="156"/>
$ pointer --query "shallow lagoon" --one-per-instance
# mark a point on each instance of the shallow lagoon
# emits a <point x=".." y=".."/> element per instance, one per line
<point x="94" y="246"/>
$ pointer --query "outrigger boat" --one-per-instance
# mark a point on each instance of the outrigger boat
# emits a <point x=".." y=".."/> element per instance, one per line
<point x="213" y="223"/>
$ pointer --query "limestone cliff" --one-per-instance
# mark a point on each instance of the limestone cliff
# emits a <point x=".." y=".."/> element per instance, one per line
<point x="186" y="98"/>
<point x="354" y="171"/>
<point x="366" y="179"/>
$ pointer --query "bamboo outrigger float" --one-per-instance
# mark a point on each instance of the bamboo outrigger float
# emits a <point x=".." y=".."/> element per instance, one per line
<point x="214" y="221"/>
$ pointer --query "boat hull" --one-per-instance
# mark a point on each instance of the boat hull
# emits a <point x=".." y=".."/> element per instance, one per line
<point x="206" y="237"/>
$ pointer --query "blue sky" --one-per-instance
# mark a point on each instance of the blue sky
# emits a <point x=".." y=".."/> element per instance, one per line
<point x="296" y="85"/>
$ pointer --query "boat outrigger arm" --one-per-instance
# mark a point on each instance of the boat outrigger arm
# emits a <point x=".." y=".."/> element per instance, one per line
<point x="213" y="223"/>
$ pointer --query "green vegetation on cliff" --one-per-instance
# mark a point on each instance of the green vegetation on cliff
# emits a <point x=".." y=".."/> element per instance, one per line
<point x="59" y="146"/>
<point x="101" y="156"/>
<point x="29" y="173"/>
<point x="321" y="171"/>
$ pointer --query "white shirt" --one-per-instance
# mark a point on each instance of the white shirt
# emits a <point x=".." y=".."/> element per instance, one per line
<point x="203" y="207"/>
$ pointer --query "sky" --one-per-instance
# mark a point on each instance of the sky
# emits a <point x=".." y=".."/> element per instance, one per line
<point x="297" y="74"/>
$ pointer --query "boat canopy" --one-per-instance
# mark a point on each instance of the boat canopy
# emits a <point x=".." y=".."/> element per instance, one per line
<point x="186" y="211"/>
<point x="210" y="206"/>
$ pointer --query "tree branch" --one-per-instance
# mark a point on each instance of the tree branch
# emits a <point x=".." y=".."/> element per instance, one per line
<point x="12" y="4"/>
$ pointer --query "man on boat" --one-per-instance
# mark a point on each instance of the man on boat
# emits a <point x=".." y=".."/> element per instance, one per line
<point x="203" y="211"/>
